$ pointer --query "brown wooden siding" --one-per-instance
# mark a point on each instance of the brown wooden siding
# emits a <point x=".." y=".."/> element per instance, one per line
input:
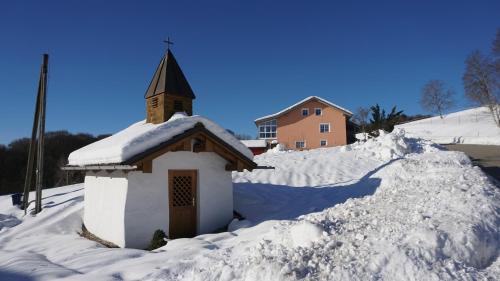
<point x="160" y="108"/>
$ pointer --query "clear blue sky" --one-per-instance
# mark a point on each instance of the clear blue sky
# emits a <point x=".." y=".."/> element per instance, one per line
<point x="243" y="59"/>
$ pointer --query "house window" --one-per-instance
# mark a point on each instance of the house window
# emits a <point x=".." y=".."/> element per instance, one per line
<point x="318" y="111"/>
<point x="178" y="106"/>
<point x="267" y="129"/>
<point x="300" y="144"/>
<point x="323" y="143"/>
<point x="154" y="102"/>
<point x="305" y="111"/>
<point x="324" y="127"/>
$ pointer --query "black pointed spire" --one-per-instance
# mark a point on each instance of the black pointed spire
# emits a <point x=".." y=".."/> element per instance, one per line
<point x="169" y="79"/>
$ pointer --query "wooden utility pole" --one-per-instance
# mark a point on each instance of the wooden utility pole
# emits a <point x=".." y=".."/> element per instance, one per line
<point x="37" y="143"/>
<point x="41" y="135"/>
<point x="28" y="180"/>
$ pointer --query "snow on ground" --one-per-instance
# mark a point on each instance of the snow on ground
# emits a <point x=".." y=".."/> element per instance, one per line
<point x="471" y="126"/>
<point x="392" y="208"/>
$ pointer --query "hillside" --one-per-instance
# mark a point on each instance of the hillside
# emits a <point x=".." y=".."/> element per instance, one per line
<point x="393" y="208"/>
<point x="471" y="126"/>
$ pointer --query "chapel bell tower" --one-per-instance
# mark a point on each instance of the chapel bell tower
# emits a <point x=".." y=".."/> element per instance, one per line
<point x="169" y="92"/>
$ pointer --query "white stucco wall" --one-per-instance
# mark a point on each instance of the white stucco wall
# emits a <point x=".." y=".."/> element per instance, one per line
<point x="147" y="198"/>
<point x="104" y="205"/>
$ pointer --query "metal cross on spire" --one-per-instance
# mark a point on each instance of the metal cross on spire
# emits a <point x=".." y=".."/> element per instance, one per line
<point x="168" y="42"/>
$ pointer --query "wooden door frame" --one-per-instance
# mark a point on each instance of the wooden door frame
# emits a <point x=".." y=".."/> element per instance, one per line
<point x="195" y="174"/>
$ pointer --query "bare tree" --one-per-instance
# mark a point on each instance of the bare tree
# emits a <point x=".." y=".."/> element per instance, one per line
<point x="436" y="98"/>
<point x="361" y="117"/>
<point x="481" y="83"/>
<point x="496" y="52"/>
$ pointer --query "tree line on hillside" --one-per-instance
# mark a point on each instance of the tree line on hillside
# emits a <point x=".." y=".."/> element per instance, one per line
<point x="58" y="145"/>
<point x="481" y="84"/>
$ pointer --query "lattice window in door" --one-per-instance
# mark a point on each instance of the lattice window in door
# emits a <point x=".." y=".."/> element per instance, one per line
<point x="182" y="191"/>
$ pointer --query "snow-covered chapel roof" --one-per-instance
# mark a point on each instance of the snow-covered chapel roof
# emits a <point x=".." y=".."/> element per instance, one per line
<point x="141" y="137"/>
<point x="322" y="100"/>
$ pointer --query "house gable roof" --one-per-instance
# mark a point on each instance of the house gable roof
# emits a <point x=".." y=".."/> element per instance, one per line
<point x="346" y="112"/>
<point x="143" y="139"/>
<point x="169" y="79"/>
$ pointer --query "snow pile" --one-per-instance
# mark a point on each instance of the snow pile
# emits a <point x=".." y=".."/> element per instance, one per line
<point x="142" y="136"/>
<point x="443" y="226"/>
<point x="361" y="136"/>
<point x="392" y="146"/>
<point x="472" y="126"/>
<point x="413" y="212"/>
<point x="304" y="234"/>
<point x="277" y="148"/>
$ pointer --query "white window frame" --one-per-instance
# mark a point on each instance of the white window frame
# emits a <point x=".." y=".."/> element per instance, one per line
<point x="303" y="141"/>
<point x="306" y="110"/>
<point x="329" y="127"/>
<point x="268" y="124"/>
<point x="326" y="143"/>
<point x="320" y="111"/>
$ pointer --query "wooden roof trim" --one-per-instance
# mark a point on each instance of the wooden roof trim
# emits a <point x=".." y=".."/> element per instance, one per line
<point x="99" y="167"/>
<point x="155" y="79"/>
<point x="198" y="128"/>
<point x="229" y="149"/>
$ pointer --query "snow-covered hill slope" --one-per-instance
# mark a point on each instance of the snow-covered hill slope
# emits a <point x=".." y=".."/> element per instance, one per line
<point x="393" y="208"/>
<point x="471" y="126"/>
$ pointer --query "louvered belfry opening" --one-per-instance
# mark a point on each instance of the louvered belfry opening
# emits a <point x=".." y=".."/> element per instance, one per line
<point x="154" y="102"/>
<point x="169" y="92"/>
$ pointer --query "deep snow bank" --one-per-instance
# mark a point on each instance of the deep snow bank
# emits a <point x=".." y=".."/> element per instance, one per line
<point x="433" y="217"/>
<point x="393" y="208"/>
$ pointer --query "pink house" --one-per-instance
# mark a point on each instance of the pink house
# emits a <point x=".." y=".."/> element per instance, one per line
<point x="310" y="123"/>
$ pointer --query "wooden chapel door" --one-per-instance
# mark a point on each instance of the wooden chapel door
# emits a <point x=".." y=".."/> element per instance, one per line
<point x="182" y="203"/>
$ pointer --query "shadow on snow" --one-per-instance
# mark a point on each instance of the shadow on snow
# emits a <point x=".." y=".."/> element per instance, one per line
<point x="8" y="221"/>
<point x="14" y="276"/>
<point x="258" y="202"/>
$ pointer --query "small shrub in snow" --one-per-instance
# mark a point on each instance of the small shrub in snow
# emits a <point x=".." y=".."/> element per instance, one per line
<point x="159" y="240"/>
